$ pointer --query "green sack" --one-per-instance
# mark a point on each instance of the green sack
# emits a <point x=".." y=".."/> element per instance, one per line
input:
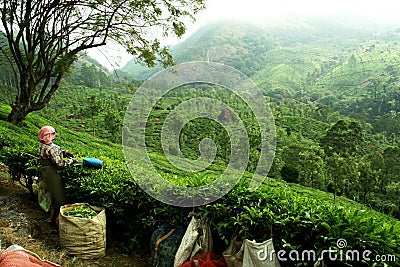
<point x="164" y="244"/>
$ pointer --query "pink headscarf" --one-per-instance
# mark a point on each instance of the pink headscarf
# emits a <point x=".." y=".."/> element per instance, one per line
<point x="46" y="134"/>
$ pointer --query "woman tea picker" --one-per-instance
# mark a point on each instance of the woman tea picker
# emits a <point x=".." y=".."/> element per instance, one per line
<point x="52" y="159"/>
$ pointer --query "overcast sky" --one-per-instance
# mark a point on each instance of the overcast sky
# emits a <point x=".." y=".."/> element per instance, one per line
<point x="256" y="10"/>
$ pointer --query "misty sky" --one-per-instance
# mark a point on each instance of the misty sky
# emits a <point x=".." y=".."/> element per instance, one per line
<point x="257" y="10"/>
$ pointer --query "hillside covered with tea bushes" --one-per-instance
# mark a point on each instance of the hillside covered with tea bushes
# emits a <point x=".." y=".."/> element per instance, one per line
<point x="333" y="90"/>
<point x="298" y="218"/>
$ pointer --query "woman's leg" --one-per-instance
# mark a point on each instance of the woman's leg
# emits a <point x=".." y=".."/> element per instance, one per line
<point x="56" y="188"/>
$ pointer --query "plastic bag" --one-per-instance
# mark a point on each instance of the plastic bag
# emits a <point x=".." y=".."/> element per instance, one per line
<point x="233" y="255"/>
<point x="196" y="241"/>
<point x="92" y="163"/>
<point x="207" y="259"/>
<point x="259" y="254"/>
<point x="250" y="254"/>
<point x="18" y="256"/>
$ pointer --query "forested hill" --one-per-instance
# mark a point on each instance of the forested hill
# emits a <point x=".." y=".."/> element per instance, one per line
<point x="317" y="73"/>
<point x="245" y="46"/>
<point x="313" y="72"/>
<point x="344" y="64"/>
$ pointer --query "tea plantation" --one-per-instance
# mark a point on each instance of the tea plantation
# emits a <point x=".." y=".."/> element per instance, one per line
<point x="297" y="218"/>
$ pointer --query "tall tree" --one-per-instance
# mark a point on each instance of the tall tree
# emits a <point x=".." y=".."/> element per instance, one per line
<point x="113" y="122"/>
<point x="308" y="161"/>
<point x="343" y="174"/>
<point x="345" y="138"/>
<point x="45" y="37"/>
<point x="93" y="108"/>
<point x="391" y="170"/>
<point x="343" y="145"/>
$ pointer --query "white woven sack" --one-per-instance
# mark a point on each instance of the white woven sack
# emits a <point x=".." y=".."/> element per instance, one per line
<point x="259" y="254"/>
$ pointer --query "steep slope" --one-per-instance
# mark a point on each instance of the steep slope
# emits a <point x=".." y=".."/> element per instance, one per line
<point x="244" y="45"/>
<point x="299" y="217"/>
<point x="229" y="42"/>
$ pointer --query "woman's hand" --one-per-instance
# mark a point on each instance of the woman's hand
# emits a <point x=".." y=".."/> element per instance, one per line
<point x="68" y="153"/>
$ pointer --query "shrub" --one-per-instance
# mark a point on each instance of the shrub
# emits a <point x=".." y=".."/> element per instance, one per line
<point x="296" y="217"/>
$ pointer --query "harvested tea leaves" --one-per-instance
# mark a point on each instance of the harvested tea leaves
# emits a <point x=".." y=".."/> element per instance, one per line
<point x="82" y="212"/>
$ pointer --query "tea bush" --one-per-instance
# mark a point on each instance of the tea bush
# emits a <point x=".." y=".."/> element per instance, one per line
<point x="297" y="218"/>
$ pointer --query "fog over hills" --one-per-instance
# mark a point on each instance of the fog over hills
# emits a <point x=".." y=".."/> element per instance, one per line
<point x="242" y="44"/>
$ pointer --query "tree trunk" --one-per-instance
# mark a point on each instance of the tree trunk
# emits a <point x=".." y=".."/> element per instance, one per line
<point x="24" y="102"/>
<point x="18" y="114"/>
<point x="22" y="105"/>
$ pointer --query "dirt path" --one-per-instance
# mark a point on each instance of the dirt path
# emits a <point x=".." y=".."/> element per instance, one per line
<point x="23" y="222"/>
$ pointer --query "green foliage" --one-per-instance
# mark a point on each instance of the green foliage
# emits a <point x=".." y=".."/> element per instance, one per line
<point x="306" y="127"/>
<point x="301" y="219"/>
<point x="40" y="60"/>
<point x="314" y="80"/>
<point x="80" y="108"/>
<point x="345" y="138"/>
<point x="82" y="212"/>
<point x="297" y="217"/>
<point x="89" y="73"/>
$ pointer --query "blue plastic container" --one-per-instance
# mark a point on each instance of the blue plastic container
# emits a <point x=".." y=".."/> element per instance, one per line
<point x="92" y="163"/>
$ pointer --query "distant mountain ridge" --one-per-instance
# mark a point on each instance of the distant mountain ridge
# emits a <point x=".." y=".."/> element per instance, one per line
<point x="243" y="45"/>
